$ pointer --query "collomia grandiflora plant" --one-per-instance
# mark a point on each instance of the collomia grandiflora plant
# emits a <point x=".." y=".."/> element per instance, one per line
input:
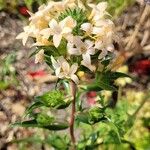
<point x="72" y="39"/>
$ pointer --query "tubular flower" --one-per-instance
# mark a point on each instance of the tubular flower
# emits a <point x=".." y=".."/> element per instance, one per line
<point x="64" y="70"/>
<point x="29" y="31"/>
<point x="70" y="36"/>
<point x="98" y="11"/>
<point x="59" y="30"/>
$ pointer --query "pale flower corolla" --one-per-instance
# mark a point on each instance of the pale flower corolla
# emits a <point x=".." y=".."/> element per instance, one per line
<point x="64" y="70"/>
<point x="59" y="29"/>
<point x="28" y="31"/>
<point x="58" y="26"/>
<point x="98" y="11"/>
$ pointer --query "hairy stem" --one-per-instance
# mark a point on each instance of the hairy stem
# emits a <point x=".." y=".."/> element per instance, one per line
<point x="73" y="91"/>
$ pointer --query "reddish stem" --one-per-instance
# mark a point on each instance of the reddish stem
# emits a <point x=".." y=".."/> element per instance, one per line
<point x="73" y="90"/>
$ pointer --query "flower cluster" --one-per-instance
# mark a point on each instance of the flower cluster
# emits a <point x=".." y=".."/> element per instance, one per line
<point x="85" y="38"/>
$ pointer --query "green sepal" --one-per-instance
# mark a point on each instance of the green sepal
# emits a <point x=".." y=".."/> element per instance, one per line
<point x="94" y="115"/>
<point x="44" y="119"/>
<point x="53" y="99"/>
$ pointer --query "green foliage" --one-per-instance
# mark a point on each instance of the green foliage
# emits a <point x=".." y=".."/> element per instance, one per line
<point x="96" y="114"/>
<point x="44" y="119"/>
<point x="2" y="4"/>
<point x="53" y="99"/>
<point x="58" y="142"/>
<point x="7" y="72"/>
<point x="33" y="123"/>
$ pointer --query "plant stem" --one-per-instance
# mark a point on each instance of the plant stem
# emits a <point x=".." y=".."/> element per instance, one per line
<point x="73" y="91"/>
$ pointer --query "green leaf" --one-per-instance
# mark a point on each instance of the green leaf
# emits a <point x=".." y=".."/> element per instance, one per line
<point x="32" y="139"/>
<point x="57" y="126"/>
<point x="3" y="85"/>
<point x="83" y="117"/>
<point x="105" y="86"/>
<point x="58" y="142"/>
<point x="116" y="75"/>
<point x="114" y="128"/>
<point x="29" y="123"/>
<point x="93" y="87"/>
<point x="35" y="105"/>
<point x="33" y="123"/>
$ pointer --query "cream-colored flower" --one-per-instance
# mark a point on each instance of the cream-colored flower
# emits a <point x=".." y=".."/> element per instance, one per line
<point x="64" y="70"/>
<point x="78" y="47"/>
<point x="87" y="27"/>
<point x="41" y="41"/>
<point x="86" y="48"/>
<point x="87" y="63"/>
<point x="39" y="57"/>
<point x="29" y="31"/>
<point x="59" y="30"/>
<point x="43" y="12"/>
<point x="98" y="11"/>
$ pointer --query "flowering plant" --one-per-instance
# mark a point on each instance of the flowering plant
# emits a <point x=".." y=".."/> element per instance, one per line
<point x="74" y="41"/>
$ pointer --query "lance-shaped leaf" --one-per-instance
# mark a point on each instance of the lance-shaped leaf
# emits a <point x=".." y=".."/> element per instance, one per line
<point x="34" y="123"/>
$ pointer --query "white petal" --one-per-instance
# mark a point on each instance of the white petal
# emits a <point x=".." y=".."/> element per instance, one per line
<point x="86" y="58"/>
<point x="99" y="44"/>
<point x="46" y="33"/>
<point x="66" y="67"/>
<point x="57" y="39"/>
<point x="66" y="30"/>
<point x="92" y="5"/>
<point x="89" y="43"/>
<point x="102" y="6"/>
<point x="54" y="63"/>
<point x="61" y="75"/>
<point x="86" y="27"/>
<point x="24" y="40"/>
<point x="53" y="24"/>
<point x="61" y="60"/>
<point x="97" y="30"/>
<point x="68" y="22"/>
<point x="57" y="71"/>
<point x="110" y="47"/>
<point x="73" y="68"/>
<point x="89" y="66"/>
<point x="20" y="35"/>
<point x="102" y="54"/>
<point x="72" y="50"/>
<point x="77" y="41"/>
<point x="75" y="78"/>
<point x="91" y="51"/>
